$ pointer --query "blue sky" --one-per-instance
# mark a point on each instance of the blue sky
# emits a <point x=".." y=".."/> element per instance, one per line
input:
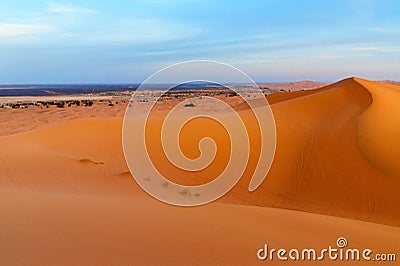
<point x="126" y="41"/>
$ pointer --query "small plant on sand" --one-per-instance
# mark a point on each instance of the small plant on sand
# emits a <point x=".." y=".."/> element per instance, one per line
<point x="165" y="184"/>
<point x="60" y="104"/>
<point x="127" y="172"/>
<point x="85" y="160"/>
<point x="87" y="102"/>
<point x="185" y="192"/>
<point x="147" y="179"/>
<point x="89" y="160"/>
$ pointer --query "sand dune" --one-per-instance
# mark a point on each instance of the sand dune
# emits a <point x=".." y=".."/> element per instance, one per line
<point x="320" y="164"/>
<point x="379" y="127"/>
<point x="67" y="196"/>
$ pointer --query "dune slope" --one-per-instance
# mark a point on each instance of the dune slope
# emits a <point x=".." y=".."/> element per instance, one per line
<point x="321" y="164"/>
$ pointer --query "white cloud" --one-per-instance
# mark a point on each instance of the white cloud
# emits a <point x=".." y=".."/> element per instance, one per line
<point x="67" y="9"/>
<point x="376" y="49"/>
<point x="12" y="30"/>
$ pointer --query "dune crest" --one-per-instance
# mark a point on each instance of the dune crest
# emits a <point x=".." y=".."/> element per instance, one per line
<point x="379" y="127"/>
<point x="320" y="165"/>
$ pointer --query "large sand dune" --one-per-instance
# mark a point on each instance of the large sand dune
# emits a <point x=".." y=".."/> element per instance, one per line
<point x="336" y="154"/>
<point x="66" y="195"/>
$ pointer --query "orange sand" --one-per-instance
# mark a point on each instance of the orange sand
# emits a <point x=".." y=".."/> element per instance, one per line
<point x="66" y="196"/>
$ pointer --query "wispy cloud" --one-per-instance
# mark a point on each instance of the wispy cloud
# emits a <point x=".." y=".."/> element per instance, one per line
<point x="67" y="9"/>
<point x="139" y="31"/>
<point x="12" y="30"/>
<point x="376" y="49"/>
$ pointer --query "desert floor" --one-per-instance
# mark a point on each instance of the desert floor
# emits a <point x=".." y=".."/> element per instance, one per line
<point x="67" y="196"/>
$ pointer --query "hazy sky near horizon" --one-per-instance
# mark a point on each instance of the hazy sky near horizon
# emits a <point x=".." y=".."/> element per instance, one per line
<point x="122" y="41"/>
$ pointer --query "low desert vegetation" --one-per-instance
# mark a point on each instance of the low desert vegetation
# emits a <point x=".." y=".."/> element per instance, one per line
<point x="127" y="172"/>
<point x="185" y="192"/>
<point x="60" y="104"/>
<point x="89" y="160"/>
